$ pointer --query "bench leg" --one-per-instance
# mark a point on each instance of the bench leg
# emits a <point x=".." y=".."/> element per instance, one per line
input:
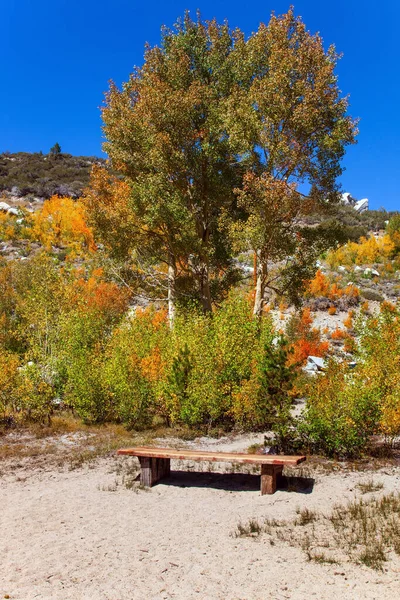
<point x="153" y="469"/>
<point x="269" y="476"/>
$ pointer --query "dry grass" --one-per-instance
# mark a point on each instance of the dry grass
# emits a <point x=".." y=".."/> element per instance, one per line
<point x="363" y="532"/>
<point x="68" y="442"/>
<point x="369" y="486"/>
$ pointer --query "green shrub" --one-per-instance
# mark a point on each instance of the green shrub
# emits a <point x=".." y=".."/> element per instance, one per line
<point x="264" y="400"/>
<point x="371" y="295"/>
<point x="35" y="395"/>
<point x="84" y="390"/>
<point x="340" y="414"/>
<point x="131" y="394"/>
<point x="8" y="384"/>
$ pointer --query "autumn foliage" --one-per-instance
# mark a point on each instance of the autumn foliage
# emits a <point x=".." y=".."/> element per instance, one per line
<point x="322" y="286"/>
<point x="63" y="222"/>
<point x="367" y="251"/>
<point x="208" y="142"/>
<point x="306" y="340"/>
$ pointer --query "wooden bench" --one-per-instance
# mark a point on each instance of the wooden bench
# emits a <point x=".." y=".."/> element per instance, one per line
<point x="156" y="463"/>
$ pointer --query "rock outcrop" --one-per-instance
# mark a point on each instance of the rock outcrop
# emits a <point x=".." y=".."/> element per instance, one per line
<point x="358" y="205"/>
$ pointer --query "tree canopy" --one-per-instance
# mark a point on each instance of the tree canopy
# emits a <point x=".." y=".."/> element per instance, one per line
<point x="225" y="141"/>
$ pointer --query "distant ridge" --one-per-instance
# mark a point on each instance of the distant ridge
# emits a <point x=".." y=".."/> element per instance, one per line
<point x="43" y="175"/>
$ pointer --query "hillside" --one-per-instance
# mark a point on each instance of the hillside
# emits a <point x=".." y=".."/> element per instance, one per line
<point x="43" y="175"/>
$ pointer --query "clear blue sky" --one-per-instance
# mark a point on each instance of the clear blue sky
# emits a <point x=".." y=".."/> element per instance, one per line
<point x="58" y="55"/>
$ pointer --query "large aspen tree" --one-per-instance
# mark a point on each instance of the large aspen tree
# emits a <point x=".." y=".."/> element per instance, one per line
<point x="216" y="133"/>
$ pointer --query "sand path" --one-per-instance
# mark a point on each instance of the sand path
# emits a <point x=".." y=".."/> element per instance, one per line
<point x="64" y="535"/>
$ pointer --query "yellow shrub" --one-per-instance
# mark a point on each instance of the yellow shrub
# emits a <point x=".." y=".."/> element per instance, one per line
<point x="366" y="251"/>
<point x="62" y="222"/>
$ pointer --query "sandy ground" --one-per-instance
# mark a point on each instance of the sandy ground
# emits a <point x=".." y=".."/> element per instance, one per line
<point x="89" y="534"/>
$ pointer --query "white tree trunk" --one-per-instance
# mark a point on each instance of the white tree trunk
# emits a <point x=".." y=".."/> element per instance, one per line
<point x="260" y="287"/>
<point x="171" y="293"/>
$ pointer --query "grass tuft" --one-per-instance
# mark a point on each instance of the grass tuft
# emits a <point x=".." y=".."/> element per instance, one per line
<point x="369" y="486"/>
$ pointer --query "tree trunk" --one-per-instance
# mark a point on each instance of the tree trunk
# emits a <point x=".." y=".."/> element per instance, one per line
<point x="260" y="286"/>
<point x="171" y="291"/>
<point x="205" y="293"/>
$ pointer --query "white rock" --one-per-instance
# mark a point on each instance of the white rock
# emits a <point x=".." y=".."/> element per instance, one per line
<point x="347" y="199"/>
<point x="358" y="205"/>
<point x="13" y="211"/>
<point x="361" y="205"/>
<point x="4" y="206"/>
<point x="342" y="269"/>
<point x="315" y="363"/>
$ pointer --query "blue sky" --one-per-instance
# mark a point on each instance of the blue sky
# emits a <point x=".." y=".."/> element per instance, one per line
<point x="58" y="55"/>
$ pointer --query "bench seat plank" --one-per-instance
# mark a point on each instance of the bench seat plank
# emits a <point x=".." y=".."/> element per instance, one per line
<point x="201" y="455"/>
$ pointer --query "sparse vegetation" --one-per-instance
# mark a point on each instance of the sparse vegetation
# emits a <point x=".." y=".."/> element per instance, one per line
<point x="369" y="486"/>
<point x="362" y="532"/>
<point x="43" y="176"/>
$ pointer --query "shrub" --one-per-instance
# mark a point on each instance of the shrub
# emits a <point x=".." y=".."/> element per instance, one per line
<point x="339" y="417"/>
<point x="367" y="251"/>
<point x="338" y="334"/>
<point x="393" y="230"/>
<point x="264" y="400"/>
<point x="379" y="355"/>
<point x="364" y="307"/>
<point x="348" y="321"/>
<point x="130" y="375"/>
<point x="346" y="406"/>
<point x="8" y="384"/>
<point x="323" y="294"/>
<point x="62" y="222"/>
<point x="35" y="395"/>
<point x="304" y="339"/>
<point x="372" y="295"/>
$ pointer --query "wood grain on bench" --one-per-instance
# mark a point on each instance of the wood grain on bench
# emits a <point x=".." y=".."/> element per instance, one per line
<point x="155" y="463"/>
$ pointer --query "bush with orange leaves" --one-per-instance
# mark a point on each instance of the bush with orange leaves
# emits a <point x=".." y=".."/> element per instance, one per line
<point x="95" y="294"/>
<point x="305" y="340"/>
<point x="96" y="308"/>
<point x="339" y="334"/>
<point x="348" y="321"/>
<point x="55" y="324"/>
<point x="339" y="297"/>
<point x="134" y="370"/>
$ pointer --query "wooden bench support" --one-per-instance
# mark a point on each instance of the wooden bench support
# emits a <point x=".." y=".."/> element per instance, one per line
<point x="270" y="474"/>
<point x="153" y="469"/>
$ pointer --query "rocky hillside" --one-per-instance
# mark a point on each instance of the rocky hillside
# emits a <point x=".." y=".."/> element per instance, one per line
<point x="36" y="175"/>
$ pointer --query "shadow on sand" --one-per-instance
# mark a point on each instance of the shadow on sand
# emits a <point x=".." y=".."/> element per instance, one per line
<point x="235" y="482"/>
